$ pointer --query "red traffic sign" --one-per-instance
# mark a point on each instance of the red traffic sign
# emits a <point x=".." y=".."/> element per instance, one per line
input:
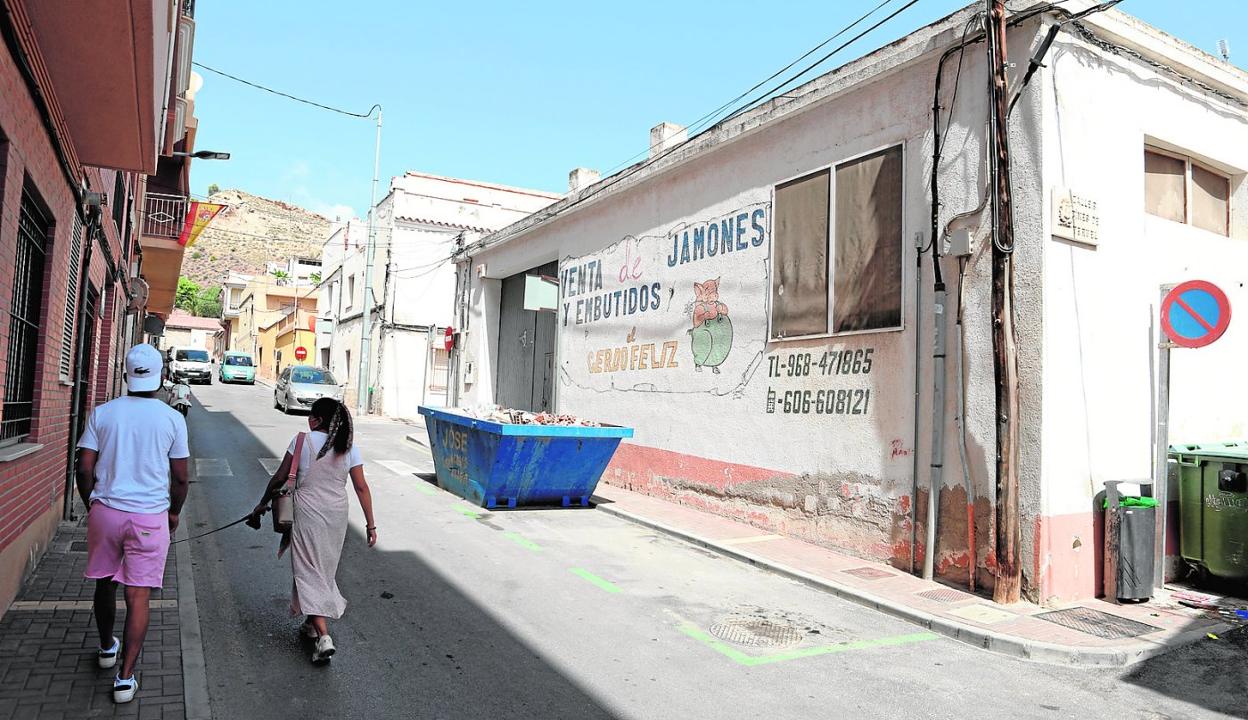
<point x="448" y="339"/>
<point x="301" y="353"/>
<point x="1195" y="314"/>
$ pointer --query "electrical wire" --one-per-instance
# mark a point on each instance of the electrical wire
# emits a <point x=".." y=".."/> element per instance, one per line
<point x="957" y="78"/>
<point x="705" y="118"/>
<point x="625" y="174"/>
<point x="820" y="61"/>
<point x="288" y="96"/>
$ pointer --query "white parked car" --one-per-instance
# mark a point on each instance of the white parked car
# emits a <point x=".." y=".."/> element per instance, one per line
<point x="190" y="364"/>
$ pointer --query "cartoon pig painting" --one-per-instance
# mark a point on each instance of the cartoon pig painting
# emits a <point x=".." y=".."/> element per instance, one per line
<point x="710" y="339"/>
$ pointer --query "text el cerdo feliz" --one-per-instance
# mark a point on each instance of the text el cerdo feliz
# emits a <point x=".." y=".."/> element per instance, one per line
<point x="735" y="233"/>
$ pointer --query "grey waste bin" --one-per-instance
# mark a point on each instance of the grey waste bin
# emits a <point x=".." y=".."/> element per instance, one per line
<point x="1130" y="534"/>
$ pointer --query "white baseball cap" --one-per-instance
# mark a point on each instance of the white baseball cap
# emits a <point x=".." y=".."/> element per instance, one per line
<point x="143" y="368"/>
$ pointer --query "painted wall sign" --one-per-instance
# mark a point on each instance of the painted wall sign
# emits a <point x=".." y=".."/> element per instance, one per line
<point x="1195" y="314"/>
<point x="686" y="300"/>
<point x="818" y="365"/>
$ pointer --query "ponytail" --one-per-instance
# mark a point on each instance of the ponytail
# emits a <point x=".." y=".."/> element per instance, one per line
<point x="336" y="420"/>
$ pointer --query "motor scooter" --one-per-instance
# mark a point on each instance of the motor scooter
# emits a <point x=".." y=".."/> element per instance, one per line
<point x="179" y="396"/>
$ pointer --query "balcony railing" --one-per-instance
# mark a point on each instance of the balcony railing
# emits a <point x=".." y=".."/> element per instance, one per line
<point x="164" y="215"/>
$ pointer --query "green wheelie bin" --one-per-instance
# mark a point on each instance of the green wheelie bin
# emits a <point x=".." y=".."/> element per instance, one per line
<point x="1213" y="507"/>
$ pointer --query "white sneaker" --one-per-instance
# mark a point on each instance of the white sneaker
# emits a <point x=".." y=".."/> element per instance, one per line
<point x="124" y="690"/>
<point x="108" y="658"/>
<point x="324" y="649"/>
<point x="308" y="630"/>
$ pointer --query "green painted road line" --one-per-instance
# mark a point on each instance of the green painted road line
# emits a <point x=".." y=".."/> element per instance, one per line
<point x="426" y="488"/>
<point x="600" y="583"/>
<point x="522" y="541"/>
<point x="467" y="512"/>
<point x="754" y="660"/>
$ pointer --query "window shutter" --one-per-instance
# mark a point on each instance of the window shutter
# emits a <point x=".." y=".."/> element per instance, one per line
<point x="1165" y="192"/>
<point x="1210" y="199"/>
<point x="71" y="302"/>
<point x="799" y="280"/>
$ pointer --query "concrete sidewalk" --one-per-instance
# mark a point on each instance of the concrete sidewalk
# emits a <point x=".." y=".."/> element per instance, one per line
<point x="1091" y="633"/>
<point x="48" y="642"/>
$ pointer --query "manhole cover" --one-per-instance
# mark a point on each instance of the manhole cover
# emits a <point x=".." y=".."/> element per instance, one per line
<point x="78" y="546"/>
<point x="945" y="595"/>
<point x="868" y="573"/>
<point x="1095" y="622"/>
<point x="756" y="632"/>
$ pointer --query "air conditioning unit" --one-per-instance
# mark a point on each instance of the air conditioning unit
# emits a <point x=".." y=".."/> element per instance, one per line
<point x="140" y="290"/>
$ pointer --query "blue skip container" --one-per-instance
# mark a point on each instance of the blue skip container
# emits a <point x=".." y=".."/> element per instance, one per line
<point x="491" y="464"/>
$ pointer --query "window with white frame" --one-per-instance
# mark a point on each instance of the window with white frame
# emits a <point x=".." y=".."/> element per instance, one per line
<point x="837" y="249"/>
<point x="350" y="291"/>
<point x="1183" y="190"/>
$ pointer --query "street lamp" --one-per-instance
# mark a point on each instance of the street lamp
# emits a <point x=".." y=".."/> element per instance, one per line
<point x="204" y="155"/>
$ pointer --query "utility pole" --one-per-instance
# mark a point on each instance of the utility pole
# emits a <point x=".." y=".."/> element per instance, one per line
<point x="1004" y="340"/>
<point x="366" y="329"/>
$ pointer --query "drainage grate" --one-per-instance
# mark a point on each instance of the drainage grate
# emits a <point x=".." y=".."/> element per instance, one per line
<point x="1095" y="622"/>
<point x="756" y="632"/>
<point x="868" y="573"/>
<point x="945" y="595"/>
<point x="78" y="546"/>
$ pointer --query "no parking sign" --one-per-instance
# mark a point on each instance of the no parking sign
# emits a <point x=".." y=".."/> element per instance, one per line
<point x="1195" y="314"/>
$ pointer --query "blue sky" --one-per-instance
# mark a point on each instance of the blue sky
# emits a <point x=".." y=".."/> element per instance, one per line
<point x="515" y="93"/>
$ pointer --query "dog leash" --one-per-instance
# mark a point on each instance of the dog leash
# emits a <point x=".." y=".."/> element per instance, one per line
<point x="244" y="518"/>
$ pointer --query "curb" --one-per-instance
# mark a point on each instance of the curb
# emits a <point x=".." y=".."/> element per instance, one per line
<point x="1035" y="650"/>
<point x="194" y="670"/>
<point x="418" y="439"/>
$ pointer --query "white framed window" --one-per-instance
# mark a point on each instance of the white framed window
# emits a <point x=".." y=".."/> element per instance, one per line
<point x="1183" y="190"/>
<point x="350" y="291"/>
<point x="837" y="249"/>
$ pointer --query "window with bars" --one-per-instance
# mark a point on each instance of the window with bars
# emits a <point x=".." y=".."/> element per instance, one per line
<point x="71" y="302"/>
<point x="25" y="310"/>
<point x="1180" y="189"/>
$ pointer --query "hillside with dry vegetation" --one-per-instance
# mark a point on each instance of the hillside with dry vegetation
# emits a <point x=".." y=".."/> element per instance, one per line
<point x="249" y="233"/>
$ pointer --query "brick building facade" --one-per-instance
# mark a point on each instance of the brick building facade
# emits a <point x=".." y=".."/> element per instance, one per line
<point x="72" y="180"/>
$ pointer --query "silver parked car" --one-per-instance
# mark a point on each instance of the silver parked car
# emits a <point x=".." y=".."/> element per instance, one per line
<point x="301" y="385"/>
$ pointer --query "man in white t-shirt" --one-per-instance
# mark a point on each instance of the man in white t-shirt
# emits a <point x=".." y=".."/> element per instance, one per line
<point x="132" y="476"/>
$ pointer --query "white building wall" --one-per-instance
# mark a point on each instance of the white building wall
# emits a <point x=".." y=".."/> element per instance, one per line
<point x="1101" y="303"/>
<point x="706" y="438"/>
<point x="1086" y="316"/>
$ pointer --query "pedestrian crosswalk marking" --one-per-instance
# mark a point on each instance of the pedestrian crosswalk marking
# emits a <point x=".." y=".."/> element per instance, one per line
<point x="398" y="467"/>
<point x="219" y="467"/>
<point x="270" y="465"/>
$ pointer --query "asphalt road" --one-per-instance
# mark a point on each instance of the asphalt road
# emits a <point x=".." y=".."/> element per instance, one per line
<point x="553" y="613"/>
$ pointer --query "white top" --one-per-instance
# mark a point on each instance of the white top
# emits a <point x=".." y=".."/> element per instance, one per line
<point x="136" y="438"/>
<point x="181" y="391"/>
<point x="312" y="444"/>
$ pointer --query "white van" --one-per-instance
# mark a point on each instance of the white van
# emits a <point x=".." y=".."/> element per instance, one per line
<point x="190" y="364"/>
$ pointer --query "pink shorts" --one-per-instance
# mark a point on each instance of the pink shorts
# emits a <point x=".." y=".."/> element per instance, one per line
<point x="128" y="547"/>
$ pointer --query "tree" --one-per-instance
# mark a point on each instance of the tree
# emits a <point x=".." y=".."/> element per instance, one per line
<point x="187" y="295"/>
<point x="315" y="278"/>
<point x="208" y="302"/>
<point x="281" y="276"/>
<point x="213" y="189"/>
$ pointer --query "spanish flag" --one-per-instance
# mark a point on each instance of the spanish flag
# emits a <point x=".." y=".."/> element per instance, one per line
<point x="197" y="218"/>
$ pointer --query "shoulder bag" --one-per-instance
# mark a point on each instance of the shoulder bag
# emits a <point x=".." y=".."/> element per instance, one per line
<point x="284" y="503"/>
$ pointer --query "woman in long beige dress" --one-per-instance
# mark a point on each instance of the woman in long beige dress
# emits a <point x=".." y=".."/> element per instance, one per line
<point x="328" y="457"/>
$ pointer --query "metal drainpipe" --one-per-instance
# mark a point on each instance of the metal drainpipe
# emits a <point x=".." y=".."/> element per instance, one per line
<point x="918" y="313"/>
<point x="936" y="476"/>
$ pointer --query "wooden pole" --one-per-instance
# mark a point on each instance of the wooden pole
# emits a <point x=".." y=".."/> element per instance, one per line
<point x="1004" y="345"/>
